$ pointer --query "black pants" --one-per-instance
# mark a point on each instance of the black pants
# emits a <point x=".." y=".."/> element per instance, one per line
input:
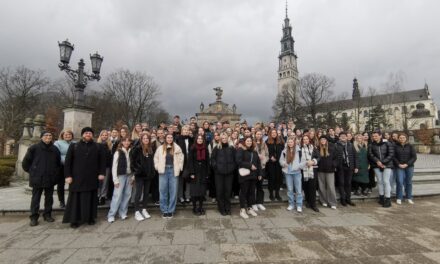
<point x="309" y="188"/>
<point x="235" y="184"/>
<point x="274" y="176"/>
<point x="357" y="185"/>
<point x="372" y="178"/>
<point x="211" y="186"/>
<point x="142" y="189"/>
<point x="345" y="174"/>
<point x="247" y="193"/>
<point x="259" y="196"/>
<point x="196" y="199"/>
<point x="60" y="185"/>
<point x="223" y="185"/>
<point x="35" y="201"/>
<point x="154" y="188"/>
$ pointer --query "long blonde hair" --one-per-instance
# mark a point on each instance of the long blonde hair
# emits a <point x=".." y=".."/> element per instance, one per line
<point x="290" y="151"/>
<point x="323" y="149"/>
<point x="108" y="142"/>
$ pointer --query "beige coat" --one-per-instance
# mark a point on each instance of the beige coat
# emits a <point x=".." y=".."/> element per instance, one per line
<point x="160" y="160"/>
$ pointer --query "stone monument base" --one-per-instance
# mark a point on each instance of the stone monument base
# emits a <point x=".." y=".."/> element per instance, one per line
<point x="76" y="118"/>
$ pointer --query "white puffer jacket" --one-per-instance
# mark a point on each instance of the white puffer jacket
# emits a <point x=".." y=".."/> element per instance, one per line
<point x="160" y="160"/>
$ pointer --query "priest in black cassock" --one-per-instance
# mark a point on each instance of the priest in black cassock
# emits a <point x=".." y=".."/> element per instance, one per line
<point x="84" y="167"/>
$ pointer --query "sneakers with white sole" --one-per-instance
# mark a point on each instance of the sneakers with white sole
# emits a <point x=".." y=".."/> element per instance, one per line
<point x="110" y="219"/>
<point x="299" y="209"/>
<point x="145" y="214"/>
<point x="261" y="207"/>
<point x="289" y="208"/>
<point x="255" y="207"/>
<point x="138" y="216"/>
<point x="251" y="211"/>
<point x="398" y="201"/>
<point x="123" y="217"/>
<point x="333" y="207"/>
<point x="324" y="204"/>
<point x="243" y="214"/>
<point x="410" y="201"/>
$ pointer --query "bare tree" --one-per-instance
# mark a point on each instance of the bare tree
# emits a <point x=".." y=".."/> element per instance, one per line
<point x="19" y="91"/>
<point x="315" y="90"/>
<point x="286" y="103"/>
<point x="134" y="93"/>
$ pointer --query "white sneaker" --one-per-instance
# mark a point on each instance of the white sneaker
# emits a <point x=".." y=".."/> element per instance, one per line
<point x="243" y="214"/>
<point x="252" y="212"/>
<point x="236" y="197"/>
<point x="289" y="208"/>
<point x="138" y="216"/>
<point x="123" y="217"/>
<point x="255" y="207"/>
<point x="333" y="207"/>
<point x="410" y="201"/>
<point x="213" y="200"/>
<point x="261" y="207"/>
<point x="145" y="214"/>
<point x="324" y="204"/>
<point x="299" y="209"/>
<point x="398" y="201"/>
<point x="111" y="219"/>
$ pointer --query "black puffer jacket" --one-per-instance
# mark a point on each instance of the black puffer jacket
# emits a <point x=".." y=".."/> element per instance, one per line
<point x="245" y="159"/>
<point x="383" y="152"/>
<point x="223" y="159"/>
<point x="142" y="165"/>
<point x="43" y="162"/>
<point x="331" y="162"/>
<point x="404" y="154"/>
<point x="350" y="151"/>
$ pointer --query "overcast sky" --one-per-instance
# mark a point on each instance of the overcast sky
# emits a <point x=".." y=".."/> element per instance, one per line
<point x="191" y="46"/>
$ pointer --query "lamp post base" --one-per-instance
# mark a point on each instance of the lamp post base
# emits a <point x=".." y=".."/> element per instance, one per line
<point x="76" y="118"/>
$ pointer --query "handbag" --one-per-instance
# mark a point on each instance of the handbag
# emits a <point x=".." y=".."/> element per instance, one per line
<point x="243" y="171"/>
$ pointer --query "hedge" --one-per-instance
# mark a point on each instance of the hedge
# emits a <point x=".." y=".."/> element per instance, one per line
<point x="8" y="162"/>
<point x="6" y="175"/>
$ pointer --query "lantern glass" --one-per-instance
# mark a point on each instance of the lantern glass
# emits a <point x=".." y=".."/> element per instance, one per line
<point x="96" y="60"/>
<point x="65" y="51"/>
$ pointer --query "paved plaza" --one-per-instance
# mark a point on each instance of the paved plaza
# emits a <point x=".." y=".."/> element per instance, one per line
<point x="366" y="233"/>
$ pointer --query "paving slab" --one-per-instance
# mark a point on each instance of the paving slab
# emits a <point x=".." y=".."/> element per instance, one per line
<point x="165" y="254"/>
<point x="54" y="256"/>
<point x="238" y="252"/>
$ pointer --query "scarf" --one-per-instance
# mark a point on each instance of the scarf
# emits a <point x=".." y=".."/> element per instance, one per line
<point x="201" y="151"/>
<point x="307" y="151"/>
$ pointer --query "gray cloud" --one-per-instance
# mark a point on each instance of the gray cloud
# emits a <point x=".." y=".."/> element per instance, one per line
<point x="192" y="46"/>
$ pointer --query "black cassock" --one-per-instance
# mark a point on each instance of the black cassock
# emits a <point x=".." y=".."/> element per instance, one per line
<point x="85" y="161"/>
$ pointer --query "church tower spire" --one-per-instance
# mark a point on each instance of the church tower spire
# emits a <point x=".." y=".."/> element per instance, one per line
<point x="356" y="91"/>
<point x="287" y="68"/>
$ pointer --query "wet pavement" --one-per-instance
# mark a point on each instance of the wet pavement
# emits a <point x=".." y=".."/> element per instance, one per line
<point x="366" y="233"/>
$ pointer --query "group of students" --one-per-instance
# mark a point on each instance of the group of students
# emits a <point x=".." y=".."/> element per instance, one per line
<point x="182" y="163"/>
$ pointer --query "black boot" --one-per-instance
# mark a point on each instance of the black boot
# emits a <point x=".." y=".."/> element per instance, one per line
<point x="387" y="202"/>
<point x="271" y="196"/>
<point x="49" y="218"/>
<point x="278" y="197"/>
<point x="381" y="200"/>
<point x="34" y="222"/>
<point x="349" y="202"/>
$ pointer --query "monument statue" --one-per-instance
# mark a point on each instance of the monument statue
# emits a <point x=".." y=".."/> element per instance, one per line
<point x="218" y="93"/>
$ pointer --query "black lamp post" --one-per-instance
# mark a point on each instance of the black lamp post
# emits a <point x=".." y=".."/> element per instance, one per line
<point x="79" y="77"/>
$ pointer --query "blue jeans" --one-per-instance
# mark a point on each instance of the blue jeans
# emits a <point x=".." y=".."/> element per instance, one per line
<point x="404" y="180"/>
<point x="383" y="181"/>
<point x="168" y="184"/>
<point x="393" y="180"/>
<point x="121" y="197"/>
<point x="293" y="182"/>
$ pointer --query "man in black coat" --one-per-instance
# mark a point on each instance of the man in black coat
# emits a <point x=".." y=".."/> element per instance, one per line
<point x="42" y="161"/>
<point x="84" y="166"/>
<point x="348" y="164"/>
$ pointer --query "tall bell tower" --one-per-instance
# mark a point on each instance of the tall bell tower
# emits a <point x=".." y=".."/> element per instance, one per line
<point x="287" y="68"/>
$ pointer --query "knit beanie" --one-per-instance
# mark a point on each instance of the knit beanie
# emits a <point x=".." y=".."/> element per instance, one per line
<point x="86" y="129"/>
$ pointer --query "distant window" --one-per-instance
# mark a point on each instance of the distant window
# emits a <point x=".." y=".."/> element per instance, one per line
<point x="365" y="113"/>
<point x="396" y="108"/>
<point x="412" y="107"/>
<point x="281" y="75"/>
<point x="390" y="111"/>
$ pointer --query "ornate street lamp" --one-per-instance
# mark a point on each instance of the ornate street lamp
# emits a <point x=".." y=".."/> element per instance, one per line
<point x="79" y="77"/>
